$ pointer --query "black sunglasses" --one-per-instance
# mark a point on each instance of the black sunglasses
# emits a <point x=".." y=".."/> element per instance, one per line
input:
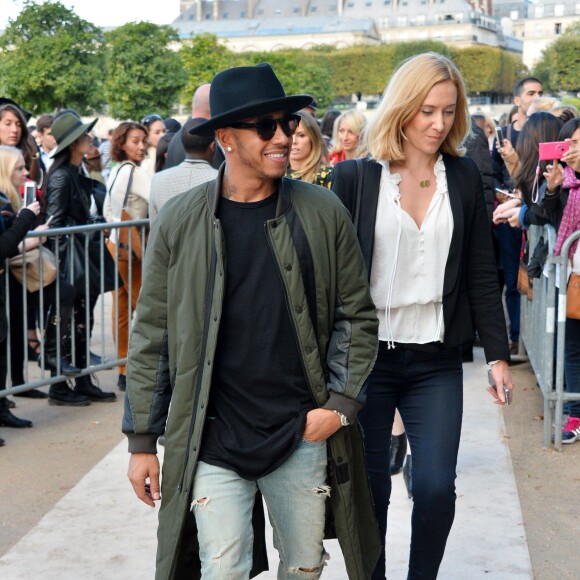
<point x="266" y="128"/>
<point x="151" y="119"/>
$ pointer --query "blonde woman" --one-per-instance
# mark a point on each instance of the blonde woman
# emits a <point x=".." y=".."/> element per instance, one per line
<point x="12" y="176"/>
<point x="348" y="129"/>
<point x="426" y="241"/>
<point x="307" y="154"/>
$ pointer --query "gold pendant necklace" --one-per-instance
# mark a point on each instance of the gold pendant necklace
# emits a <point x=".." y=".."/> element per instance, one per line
<point x="423" y="183"/>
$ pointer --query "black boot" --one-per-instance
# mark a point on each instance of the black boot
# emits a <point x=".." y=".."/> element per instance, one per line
<point x="7" y="419"/>
<point x="61" y="394"/>
<point x="1" y="442"/>
<point x="398" y="452"/>
<point x="85" y="386"/>
<point x="51" y="359"/>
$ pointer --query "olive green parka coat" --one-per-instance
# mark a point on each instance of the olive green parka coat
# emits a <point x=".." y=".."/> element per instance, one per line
<point x="173" y="343"/>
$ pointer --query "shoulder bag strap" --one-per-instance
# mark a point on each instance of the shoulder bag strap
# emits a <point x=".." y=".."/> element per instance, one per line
<point x="129" y="183"/>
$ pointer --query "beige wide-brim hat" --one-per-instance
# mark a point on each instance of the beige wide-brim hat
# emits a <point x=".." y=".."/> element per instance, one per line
<point x="66" y="129"/>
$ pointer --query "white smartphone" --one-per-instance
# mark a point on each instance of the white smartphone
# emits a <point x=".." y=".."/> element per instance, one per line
<point x="29" y="193"/>
<point x="499" y="137"/>
<point x="505" y="192"/>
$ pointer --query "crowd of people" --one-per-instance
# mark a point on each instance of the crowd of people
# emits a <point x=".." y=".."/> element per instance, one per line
<point x="369" y="314"/>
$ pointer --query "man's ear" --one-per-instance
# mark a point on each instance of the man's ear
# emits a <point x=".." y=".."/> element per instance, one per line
<point x="517" y="102"/>
<point x="225" y="137"/>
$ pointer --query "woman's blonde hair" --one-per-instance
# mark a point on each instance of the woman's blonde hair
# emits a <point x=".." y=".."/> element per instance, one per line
<point x="309" y="125"/>
<point x="356" y="122"/>
<point x="405" y="93"/>
<point x="9" y="157"/>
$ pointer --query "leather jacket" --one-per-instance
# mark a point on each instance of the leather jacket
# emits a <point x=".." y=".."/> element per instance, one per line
<point x="68" y="197"/>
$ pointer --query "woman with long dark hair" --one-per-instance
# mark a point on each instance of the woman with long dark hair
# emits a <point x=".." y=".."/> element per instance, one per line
<point x="14" y="133"/>
<point x="68" y="202"/>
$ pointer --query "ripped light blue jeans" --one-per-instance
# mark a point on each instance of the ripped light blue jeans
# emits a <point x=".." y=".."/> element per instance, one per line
<point x="295" y="495"/>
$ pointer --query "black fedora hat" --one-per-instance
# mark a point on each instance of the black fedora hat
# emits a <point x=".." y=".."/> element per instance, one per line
<point x="247" y="91"/>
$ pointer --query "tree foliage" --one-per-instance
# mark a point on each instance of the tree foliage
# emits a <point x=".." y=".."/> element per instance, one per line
<point x="50" y="59"/>
<point x="143" y="74"/>
<point x="299" y="72"/>
<point x="203" y="57"/>
<point x="559" y="65"/>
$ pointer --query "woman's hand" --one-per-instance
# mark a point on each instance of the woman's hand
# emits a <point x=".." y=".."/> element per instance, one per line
<point x="554" y="175"/>
<point x="572" y="158"/>
<point x="507" y="150"/>
<point x="501" y="376"/>
<point x="504" y="211"/>
<point x="34" y="207"/>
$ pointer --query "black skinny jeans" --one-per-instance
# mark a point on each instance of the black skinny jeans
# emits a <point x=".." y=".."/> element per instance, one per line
<point x="427" y="388"/>
<point x="18" y="324"/>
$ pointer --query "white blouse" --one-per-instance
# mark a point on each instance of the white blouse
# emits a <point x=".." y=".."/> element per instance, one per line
<point x="409" y="263"/>
<point x="138" y="200"/>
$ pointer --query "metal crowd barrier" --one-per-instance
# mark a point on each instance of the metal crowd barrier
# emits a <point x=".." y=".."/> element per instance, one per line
<point x="35" y="375"/>
<point x="562" y="396"/>
<point x="543" y="328"/>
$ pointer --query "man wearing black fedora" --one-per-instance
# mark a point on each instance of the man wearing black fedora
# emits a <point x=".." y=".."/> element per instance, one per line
<point x="253" y="339"/>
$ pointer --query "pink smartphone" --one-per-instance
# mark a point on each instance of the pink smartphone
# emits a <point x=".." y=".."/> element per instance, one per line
<point x="554" y="150"/>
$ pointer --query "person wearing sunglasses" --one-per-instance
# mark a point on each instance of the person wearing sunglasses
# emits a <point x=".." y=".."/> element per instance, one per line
<point x="253" y="338"/>
<point x="155" y="130"/>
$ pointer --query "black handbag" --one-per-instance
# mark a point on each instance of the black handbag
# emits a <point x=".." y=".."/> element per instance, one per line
<point x="83" y="252"/>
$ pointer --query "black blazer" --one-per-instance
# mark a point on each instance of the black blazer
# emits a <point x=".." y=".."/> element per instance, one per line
<point x="471" y="292"/>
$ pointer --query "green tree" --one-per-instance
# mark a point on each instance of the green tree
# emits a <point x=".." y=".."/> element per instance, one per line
<point x="143" y="73"/>
<point x="203" y="57"/>
<point x="480" y="67"/>
<point x="559" y="65"/>
<point x="50" y="59"/>
<point x="299" y="72"/>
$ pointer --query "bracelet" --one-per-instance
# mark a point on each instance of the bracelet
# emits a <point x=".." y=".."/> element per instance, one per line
<point x="493" y="362"/>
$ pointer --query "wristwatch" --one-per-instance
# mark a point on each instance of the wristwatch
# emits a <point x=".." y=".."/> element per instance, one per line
<point x="344" y="422"/>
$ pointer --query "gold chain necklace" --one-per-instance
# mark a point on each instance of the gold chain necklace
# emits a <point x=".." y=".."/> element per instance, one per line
<point x="423" y="183"/>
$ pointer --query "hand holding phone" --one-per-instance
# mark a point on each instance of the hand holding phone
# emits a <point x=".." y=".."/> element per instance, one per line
<point x="492" y="389"/>
<point x="499" y="137"/>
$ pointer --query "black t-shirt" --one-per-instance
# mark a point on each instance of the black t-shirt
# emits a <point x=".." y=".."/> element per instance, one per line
<point x="259" y="396"/>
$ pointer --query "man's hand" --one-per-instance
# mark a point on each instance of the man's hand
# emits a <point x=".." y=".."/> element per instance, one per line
<point x="320" y="425"/>
<point x="143" y="466"/>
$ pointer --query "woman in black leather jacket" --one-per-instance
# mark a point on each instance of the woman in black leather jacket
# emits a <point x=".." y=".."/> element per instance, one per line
<point x="68" y="202"/>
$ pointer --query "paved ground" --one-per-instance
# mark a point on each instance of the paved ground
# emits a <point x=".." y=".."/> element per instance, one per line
<point x="99" y="530"/>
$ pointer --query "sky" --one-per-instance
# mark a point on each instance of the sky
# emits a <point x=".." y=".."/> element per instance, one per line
<point x="106" y="12"/>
